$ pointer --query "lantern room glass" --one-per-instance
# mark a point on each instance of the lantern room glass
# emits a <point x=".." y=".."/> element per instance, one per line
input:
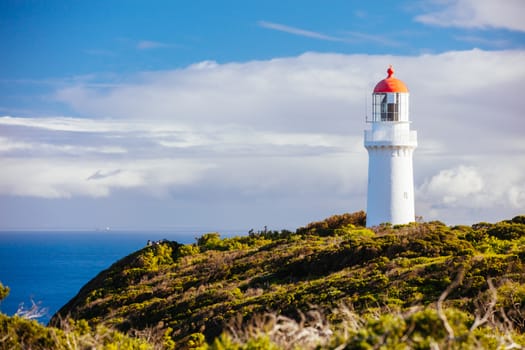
<point x="389" y="107"/>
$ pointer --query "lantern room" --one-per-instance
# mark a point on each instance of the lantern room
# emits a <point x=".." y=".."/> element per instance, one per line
<point x="390" y="100"/>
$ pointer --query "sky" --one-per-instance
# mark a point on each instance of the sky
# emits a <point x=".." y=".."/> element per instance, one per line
<point x="235" y="115"/>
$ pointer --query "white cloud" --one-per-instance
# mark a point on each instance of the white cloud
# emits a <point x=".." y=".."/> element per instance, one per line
<point x="507" y="14"/>
<point x="66" y="178"/>
<point x="297" y="31"/>
<point x="288" y="128"/>
<point x="61" y="124"/>
<point x="8" y="145"/>
<point x="253" y="94"/>
<point x="324" y="93"/>
<point x="96" y="158"/>
<point x="516" y="195"/>
<point x="450" y="186"/>
<point x="484" y="191"/>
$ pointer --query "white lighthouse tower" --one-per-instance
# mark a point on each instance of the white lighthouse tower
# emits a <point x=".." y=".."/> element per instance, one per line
<point x="390" y="144"/>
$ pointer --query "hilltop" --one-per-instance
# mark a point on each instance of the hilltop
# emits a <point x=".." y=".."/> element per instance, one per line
<point x="330" y="283"/>
<point x="336" y="263"/>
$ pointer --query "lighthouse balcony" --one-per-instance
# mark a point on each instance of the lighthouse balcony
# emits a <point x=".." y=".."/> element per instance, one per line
<point x="390" y="137"/>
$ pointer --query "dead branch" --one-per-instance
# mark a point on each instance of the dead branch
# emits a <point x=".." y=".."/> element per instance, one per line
<point x="32" y="313"/>
<point x="478" y="321"/>
<point x="441" y="314"/>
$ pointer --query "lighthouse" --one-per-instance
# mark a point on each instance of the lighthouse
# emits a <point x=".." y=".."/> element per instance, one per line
<point x="390" y="144"/>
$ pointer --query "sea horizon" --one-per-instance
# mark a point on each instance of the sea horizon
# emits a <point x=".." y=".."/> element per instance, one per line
<point x="49" y="267"/>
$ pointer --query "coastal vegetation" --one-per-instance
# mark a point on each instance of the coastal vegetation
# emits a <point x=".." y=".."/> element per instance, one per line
<point x="23" y="332"/>
<point x="332" y="284"/>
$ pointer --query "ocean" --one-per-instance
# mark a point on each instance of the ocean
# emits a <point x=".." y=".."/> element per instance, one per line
<point x="49" y="268"/>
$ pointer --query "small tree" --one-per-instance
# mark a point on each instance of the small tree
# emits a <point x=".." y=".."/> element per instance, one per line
<point x="210" y="240"/>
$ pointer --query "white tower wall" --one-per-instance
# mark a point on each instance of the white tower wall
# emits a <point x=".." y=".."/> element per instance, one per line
<point x="390" y="146"/>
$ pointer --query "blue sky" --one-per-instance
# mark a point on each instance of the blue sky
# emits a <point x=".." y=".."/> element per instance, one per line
<point x="60" y="39"/>
<point x="162" y="114"/>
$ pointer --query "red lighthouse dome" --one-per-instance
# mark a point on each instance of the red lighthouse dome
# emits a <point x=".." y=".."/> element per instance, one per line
<point x="390" y="84"/>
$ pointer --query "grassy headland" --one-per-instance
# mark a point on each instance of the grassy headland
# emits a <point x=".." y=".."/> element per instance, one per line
<point x="333" y="284"/>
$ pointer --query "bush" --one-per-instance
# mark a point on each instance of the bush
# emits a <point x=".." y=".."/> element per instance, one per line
<point x="4" y="292"/>
<point x="19" y="334"/>
<point x="328" y="226"/>
<point x="210" y="240"/>
<point x="508" y="231"/>
<point x="520" y="219"/>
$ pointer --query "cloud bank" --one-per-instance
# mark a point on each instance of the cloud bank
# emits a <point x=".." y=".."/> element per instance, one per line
<point x="284" y="132"/>
<point x="507" y="14"/>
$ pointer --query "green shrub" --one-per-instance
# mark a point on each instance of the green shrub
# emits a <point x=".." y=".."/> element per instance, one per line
<point x="155" y="256"/>
<point x="506" y="230"/>
<point x="197" y="341"/>
<point x="18" y="333"/>
<point x="189" y="249"/>
<point x="520" y="219"/>
<point x="328" y="226"/>
<point x="210" y="240"/>
<point x="4" y="292"/>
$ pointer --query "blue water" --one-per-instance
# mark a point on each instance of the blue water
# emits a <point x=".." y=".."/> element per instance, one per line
<point x="51" y="267"/>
